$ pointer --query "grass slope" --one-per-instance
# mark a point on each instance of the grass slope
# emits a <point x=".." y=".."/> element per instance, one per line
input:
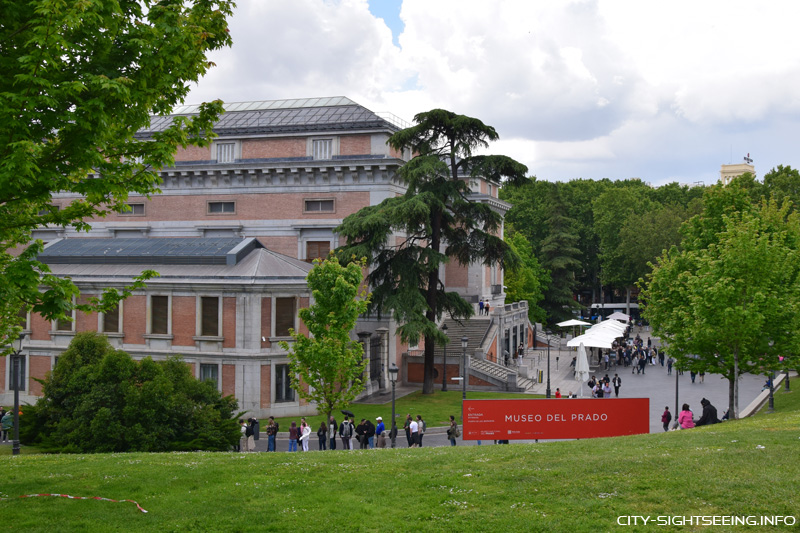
<point x="747" y="467"/>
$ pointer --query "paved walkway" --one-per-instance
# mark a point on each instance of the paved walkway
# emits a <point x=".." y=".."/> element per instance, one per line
<point x="655" y="384"/>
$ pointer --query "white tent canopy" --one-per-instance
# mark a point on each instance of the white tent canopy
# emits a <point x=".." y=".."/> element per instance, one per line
<point x="616" y="315"/>
<point x="573" y="322"/>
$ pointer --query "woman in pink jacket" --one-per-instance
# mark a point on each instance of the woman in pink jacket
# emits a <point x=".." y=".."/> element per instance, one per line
<point x="685" y="418"/>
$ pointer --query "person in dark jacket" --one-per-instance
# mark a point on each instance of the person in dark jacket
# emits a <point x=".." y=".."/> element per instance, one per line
<point x="709" y="414"/>
<point x="370" y="434"/>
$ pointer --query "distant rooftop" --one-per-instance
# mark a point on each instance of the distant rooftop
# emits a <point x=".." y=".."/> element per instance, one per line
<point x="287" y="116"/>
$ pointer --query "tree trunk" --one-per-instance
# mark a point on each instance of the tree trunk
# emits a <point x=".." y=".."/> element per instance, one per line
<point x="433" y="283"/>
<point x="733" y="389"/>
<point x="628" y="301"/>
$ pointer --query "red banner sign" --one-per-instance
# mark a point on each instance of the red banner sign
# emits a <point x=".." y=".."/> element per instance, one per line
<point x="555" y="419"/>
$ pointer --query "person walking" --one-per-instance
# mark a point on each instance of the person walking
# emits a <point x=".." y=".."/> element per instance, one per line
<point x="666" y="418"/>
<point x="670" y="360"/>
<point x="617" y="381"/>
<point x="606" y="389"/>
<point x="452" y="431"/>
<point x="322" y="435"/>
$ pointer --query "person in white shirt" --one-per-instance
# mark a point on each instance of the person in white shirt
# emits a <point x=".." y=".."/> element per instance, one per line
<point x="414" y="433"/>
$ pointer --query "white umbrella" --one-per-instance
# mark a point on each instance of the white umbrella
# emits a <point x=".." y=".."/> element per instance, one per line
<point x="582" y="367"/>
<point x="573" y="323"/>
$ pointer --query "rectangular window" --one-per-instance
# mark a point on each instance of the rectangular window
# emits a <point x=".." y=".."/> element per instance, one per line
<point x="63" y="324"/>
<point x="23" y="318"/>
<point x="226" y="152"/>
<point x="133" y="210"/>
<point x="284" y="316"/>
<point x="12" y="382"/>
<point x="111" y="321"/>
<point x="220" y="208"/>
<point x="317" y="250"/>
<point x="209" y="373"/>
<point x="319" y="206"/>
<point x="209" y="316"/>
<point x="283" y="384"/>
<point x="322" y="148"/>
<point x="159" y="315"/>
<point x="49" y="209"/>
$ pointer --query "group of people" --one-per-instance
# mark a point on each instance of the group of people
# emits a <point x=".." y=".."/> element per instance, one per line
<point x="484" y="307"/>
<point x="686" y="417"/>
<point x="601" y="388"/>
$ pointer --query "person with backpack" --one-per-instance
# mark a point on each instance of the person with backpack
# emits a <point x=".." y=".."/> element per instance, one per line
<point x="666" y="418"/>
<point x="346" y="433"/>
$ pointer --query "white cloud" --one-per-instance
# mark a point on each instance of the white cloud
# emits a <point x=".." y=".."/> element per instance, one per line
<point x="584" y="88"/>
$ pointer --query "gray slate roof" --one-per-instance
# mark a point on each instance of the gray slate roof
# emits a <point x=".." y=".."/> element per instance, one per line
<point x="284" y="116"/>
<point x="195" y="260"/>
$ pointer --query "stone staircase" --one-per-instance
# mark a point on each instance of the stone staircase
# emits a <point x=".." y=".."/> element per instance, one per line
<point x="475" y="329"/>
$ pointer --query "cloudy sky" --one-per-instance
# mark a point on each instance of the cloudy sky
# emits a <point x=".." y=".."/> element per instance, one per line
<point x="662" y="91"/>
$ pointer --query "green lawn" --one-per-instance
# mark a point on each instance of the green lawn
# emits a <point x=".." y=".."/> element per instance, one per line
<point x="435" y="409"/>
<point x="741" y="468"/>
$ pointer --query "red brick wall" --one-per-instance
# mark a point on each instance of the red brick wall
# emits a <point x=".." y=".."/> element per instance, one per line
<point x="184" y="326"/>
<point x="455" y="274"/>
<point x="266" y="385"/>
<point x="416" y="371"/>
<point x="40" y="328"/>
<point x="85" y="321"/>
<point x="282" y="206"/>
<point x="193" y="153"/>
<point x="301" y="303"/>
<point x="38" y="367"/>
<point x="395" y="153"/>
<point x="355" y="145"/>
<point x="268" y="148"/>
<point x="229" y="322"/>
<point x="228" y="380"/>
<point x="266" y="320"/>
<point x="134" y="318"/>
<point x="281" y="245"/>
<point x="491" y="354"/>
<point x="478" y="382"/>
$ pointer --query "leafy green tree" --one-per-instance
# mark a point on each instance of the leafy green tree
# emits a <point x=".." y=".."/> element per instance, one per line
<point x="527" y="279"/>
<point x="729" y="302"/>
<point x="328" y="359"/>
<point x="79" y="79"/>
<point x="783" y="183"/>
<point x="98" y="399"/>
<point x="407" y="238"/>
<point x="560" y="258"/>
